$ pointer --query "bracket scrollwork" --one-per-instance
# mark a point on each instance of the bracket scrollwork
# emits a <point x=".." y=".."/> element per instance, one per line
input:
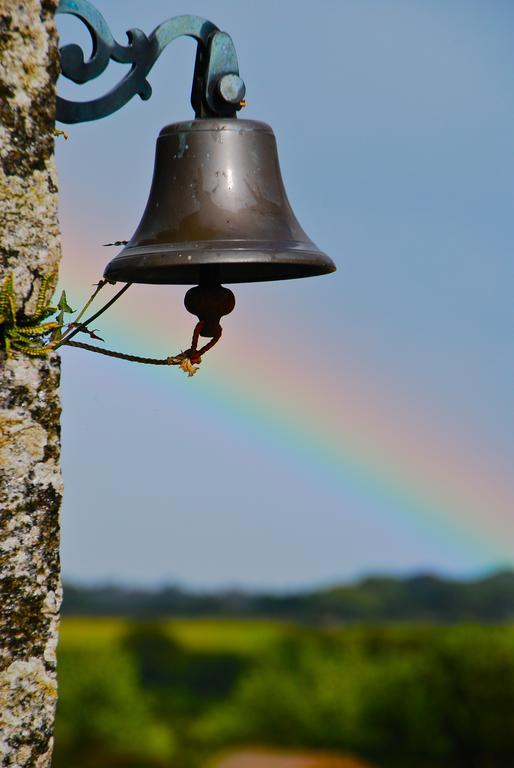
<point x="217" y="88"/>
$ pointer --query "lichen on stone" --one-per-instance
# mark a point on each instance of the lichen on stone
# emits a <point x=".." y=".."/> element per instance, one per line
<point x="30" y="480"/>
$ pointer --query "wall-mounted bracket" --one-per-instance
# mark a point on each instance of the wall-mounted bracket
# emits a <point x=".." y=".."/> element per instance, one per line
<point x="217" y="91"/>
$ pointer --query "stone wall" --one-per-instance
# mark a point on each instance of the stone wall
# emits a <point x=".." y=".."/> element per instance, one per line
<point x="30" y="479"/>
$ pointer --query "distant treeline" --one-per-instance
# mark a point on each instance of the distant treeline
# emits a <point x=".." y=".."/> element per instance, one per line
<point x="418" y="598"/>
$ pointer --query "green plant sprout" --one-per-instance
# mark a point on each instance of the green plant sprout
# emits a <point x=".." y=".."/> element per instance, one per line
<point x="34" y="334"/>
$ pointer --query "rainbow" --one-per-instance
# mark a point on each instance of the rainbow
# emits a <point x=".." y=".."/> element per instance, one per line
<point x="382" y="453"/>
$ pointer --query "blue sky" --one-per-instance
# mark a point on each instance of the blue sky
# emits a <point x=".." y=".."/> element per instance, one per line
<point x="395" y="127"/>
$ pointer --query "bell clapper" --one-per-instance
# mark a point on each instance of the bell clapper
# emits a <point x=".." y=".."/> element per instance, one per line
<point x="209" y="302"/>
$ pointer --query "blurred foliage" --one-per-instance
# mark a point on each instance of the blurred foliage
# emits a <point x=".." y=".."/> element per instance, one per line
<point x="385" y="598"/>
<point x="104" y="717"/>
<point x="188" y="679"/>
<point x="149" y="694"/>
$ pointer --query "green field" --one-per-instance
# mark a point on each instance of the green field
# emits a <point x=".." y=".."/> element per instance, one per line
<point x="245" y="636"/>
<point x="170" y="694"/>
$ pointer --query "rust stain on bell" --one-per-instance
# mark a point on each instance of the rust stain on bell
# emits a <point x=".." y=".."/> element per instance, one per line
<point x="217" y="212"/>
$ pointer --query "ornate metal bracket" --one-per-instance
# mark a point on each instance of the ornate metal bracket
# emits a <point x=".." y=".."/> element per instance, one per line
<point x="218" y="91"/>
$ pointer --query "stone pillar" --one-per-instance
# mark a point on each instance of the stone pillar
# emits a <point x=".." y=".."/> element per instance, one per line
<point x="30" y="479"/>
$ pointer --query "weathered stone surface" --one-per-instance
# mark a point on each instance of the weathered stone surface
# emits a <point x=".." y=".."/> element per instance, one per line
<point x="30" y="480"/>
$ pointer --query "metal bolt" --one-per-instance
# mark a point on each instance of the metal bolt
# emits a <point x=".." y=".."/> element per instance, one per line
<point x="231" y="89"/>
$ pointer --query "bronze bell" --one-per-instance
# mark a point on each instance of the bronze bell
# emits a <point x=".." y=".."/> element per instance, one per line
<point x="217" y="212"/>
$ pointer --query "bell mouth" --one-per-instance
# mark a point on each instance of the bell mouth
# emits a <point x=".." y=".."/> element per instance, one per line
<point x="217" y="262"/>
